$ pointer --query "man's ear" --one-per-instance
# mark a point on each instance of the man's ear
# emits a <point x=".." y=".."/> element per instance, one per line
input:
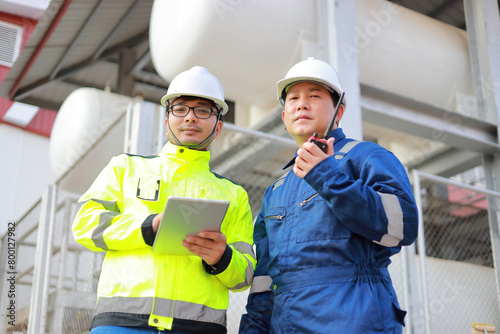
<point x="218" y="128"/>
<point x="166" y="127"/>
<point x="340" y="114"/>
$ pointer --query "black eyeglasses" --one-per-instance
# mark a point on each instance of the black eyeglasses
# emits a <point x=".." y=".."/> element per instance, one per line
<point x="180" y="110"/>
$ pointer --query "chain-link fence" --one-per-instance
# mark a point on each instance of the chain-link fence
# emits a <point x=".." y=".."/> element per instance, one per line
<point x="457" y="276"/>
<point x="56" y="279"/>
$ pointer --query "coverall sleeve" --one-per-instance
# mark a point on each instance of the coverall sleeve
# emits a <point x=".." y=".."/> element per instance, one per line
<point x="373" y="199"/>
<point x="260" y="300"/>
<point x="235" y="269"/>
<point x="99" y="223"/>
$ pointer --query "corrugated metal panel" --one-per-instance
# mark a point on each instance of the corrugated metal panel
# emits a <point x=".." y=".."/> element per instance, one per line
<point x="54" y="91"/>
<point x="104" y="73"/>
<point x="43" y="65"/>
<point x="101" y="26"/>
<point x="73" y="19"/>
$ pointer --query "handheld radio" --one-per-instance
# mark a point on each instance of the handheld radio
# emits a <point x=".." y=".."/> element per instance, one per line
<point x="321" y="142"/>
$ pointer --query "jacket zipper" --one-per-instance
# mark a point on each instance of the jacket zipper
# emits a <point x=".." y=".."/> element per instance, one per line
<point x="280" y="217"/>
<point x="304" y="202"/>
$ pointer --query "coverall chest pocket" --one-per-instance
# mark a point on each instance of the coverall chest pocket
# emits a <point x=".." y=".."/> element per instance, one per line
<point x="148" y="187"/>
<point x="316" y="221"/>
<point x="275" y="219"/>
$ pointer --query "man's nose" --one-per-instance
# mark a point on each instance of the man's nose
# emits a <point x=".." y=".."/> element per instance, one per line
<point x="302" y="104"/>
<point x="190" y="117"/>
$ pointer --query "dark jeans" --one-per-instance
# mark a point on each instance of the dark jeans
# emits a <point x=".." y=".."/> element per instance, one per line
<point x="129" y="330"/>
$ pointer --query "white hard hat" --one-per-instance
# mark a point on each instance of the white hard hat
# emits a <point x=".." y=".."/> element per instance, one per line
<point x="197" y="81"/>
<point x="311" y="69"/>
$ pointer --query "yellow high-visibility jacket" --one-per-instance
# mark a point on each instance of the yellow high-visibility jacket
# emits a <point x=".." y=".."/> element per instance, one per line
<point x="139" y="288"/>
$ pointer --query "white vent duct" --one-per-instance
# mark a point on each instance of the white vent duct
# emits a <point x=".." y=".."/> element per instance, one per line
<point x="10" y="43"/>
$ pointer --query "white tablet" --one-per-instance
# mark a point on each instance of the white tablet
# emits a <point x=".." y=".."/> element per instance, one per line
<point x="185" y="216"/>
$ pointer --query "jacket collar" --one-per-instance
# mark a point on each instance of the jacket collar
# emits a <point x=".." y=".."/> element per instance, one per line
<point x="186" y="154"/>
<point x="338" y="134"/>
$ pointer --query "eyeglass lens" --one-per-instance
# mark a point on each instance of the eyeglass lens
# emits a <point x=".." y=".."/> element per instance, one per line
<point x="180" y="110"/>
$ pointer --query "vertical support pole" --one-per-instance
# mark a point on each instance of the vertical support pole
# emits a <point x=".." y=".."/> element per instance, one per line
<point x="127" y="137"/>
<point x="417" y="192"/>
<point x="64" y="244"/>
<point x="483" y="29"/>
<point x="41" y="270"/>
<point x="126" y="80"/>
<point x="491" y="168"/>
<point x="60" y="294"/>
<point x="327" y="31"/>
<point x="162" y="129"/>
<point x="411" y="292"/>
<point x="406" y="291"/>
<point x="336" y="30"/>
<point x="140" y="128"/>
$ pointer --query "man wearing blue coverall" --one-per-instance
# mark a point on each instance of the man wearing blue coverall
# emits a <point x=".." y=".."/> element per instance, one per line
<point x="328" y="227"/>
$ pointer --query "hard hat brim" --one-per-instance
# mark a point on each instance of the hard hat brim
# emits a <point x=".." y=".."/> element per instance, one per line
<point x="284" y="83"/>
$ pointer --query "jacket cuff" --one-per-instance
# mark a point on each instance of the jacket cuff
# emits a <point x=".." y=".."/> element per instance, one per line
<point x="221" y="265"/>
<point x="147" y="230"/>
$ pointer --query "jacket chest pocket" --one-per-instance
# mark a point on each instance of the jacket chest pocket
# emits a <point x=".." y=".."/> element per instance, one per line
<point x="317" y="222"/>
<point x="148" y="188"/>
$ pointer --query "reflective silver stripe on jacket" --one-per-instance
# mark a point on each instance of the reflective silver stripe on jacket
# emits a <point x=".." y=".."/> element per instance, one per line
<point x="345" y="149"/>
<point x="162" y="307"/>
<point x="280" y="181"/>
<point x="261" y="284"/>
<point x="244" y="248"/>
<point x="391" y="205"/>
<point x="395" y="226"/>
<point x="105" y="220"/>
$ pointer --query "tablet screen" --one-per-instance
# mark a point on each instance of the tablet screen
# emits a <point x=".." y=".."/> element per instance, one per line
<point x="184" y="216"/>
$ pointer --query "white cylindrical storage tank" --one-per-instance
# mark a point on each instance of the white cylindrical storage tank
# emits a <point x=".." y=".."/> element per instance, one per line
<point x="412" y="55"/>
<point x="247" y="45"/>
<point x="86" y="115"/>
<point x="250" y="45"/>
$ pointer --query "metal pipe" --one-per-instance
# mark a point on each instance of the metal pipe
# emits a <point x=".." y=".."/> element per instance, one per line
<point x="259" y="134"/>
<point x="443" y="180"/>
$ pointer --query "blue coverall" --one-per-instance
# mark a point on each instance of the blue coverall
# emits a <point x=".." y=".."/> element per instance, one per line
<point x="324" y="243"/>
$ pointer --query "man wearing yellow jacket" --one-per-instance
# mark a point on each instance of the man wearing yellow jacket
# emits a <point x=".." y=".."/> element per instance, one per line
<point x="143" y="292"/>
